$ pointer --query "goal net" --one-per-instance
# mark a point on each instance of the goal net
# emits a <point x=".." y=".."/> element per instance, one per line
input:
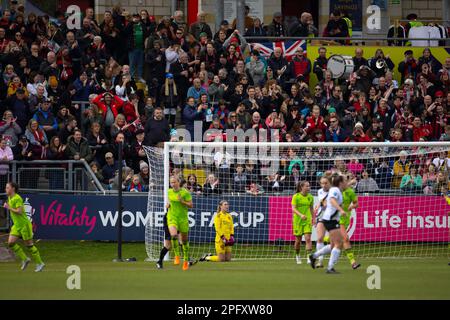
<point x="402" y="194"/>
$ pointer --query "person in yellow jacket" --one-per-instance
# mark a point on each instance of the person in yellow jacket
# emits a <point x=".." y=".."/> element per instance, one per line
<point x="223" y="223"/>
<point x="401" y="168"/>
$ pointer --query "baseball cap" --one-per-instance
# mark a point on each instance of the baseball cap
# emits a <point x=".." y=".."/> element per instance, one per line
<point x="359" y="124"/>
<point x="439" y="93"/>
<point x="332" y="110"/>
<point x="109" y="155"/>
<point x="23" y="138"/>
<point x="203" y="34"/>
<point x="20" y="91"/>
<point x="224" y="23"/>
<point x="169" y="75"/>
<point x="277" y="14"/>
<point x="409" y="51"/>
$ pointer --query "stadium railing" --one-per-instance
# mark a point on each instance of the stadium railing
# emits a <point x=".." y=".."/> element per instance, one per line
<point x="47" y="175"/>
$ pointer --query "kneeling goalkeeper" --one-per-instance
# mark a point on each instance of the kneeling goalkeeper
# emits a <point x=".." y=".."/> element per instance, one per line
<point x="223" y="223"/>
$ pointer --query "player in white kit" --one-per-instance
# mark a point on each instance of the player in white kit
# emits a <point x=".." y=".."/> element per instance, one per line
<point x="330" y="220"/>
<point x="322" y="196"/>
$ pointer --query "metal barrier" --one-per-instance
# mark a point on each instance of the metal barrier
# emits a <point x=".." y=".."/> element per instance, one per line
<point x="64" y="175"/>
<point x="338" y="41"/>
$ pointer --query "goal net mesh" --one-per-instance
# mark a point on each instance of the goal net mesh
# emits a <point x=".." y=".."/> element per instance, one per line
<point x="402" y="190"/>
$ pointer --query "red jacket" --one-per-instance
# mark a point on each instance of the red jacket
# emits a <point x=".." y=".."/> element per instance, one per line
<point x="312" y="124"/>
<point x="116" y="104"/>
<point x="129" y="112"/>
<point x="301" y="68"/>
<point x="421" y="132"/>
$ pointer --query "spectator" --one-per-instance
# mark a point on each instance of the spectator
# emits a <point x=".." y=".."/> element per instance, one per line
<point x="429" y="179"/>
<point x="255" y="67"/>
<point x="211" y="185"/>
<point x="334" y="132"/>
<point x="255" y="189"/>
<point x="78" y="147"/>
<point x="68" y="129"/>
<point x="170" y="99"/>
<point x="192" y="186"/>
<point x="6" y="155"/>
<point x="46" y="119"/>
<point x="408" y="67"/>
<point x="401" y="168"/>
<point x="336" y="26"/>
<point x="108" y="106"/>
<point x="136" y="33"/>
<point x="442" y="162"/>
<point x="277" y="28"/>
<point x="367" y="184"/>
<point x="9" y="129"/>
<point x="255" y="30"/>
<point x="144" y="174"/>
<point x="157" y="129"/>
<point x="300" y="66"/>
<point x="135" y="185"/>
<point x="200" y="26"/>
<point x="412" y="181"/>
<point x="442" y="184"/>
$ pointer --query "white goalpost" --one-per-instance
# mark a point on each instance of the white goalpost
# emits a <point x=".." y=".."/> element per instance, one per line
<point x="402" y="188"/>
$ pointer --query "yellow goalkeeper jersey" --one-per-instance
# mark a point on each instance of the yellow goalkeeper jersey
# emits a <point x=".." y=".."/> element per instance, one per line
<point x="223" y="223"/>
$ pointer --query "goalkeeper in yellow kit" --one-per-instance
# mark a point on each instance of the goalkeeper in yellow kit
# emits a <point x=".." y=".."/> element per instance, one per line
<point x="223" y="223"/>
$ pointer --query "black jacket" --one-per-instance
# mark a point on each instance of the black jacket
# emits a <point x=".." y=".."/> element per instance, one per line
<point x="156" y="131"/>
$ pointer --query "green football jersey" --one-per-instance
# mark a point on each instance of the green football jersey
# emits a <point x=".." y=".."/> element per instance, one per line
<point x="19" y="219"/>
<point x="176" y="208"/>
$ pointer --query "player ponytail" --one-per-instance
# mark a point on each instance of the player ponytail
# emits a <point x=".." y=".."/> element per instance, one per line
<point x="220" y="205"/>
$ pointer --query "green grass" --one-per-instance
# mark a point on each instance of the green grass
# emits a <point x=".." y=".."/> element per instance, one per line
<point x="283" y="279"/>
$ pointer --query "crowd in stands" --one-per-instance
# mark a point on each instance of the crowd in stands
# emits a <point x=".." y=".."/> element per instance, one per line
<point x="77" y="94"/>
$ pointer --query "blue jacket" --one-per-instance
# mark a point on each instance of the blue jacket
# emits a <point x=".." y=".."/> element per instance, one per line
<point x="192" y="92"/>
<point x="190" y="115"/>
<point x="45" y="118"/>
<point x="83" y="92"/>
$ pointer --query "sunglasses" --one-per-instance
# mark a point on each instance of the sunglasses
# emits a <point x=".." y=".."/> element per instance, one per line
<point x="333" y="121"/>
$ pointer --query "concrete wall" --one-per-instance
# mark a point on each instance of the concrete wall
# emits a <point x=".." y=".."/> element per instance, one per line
<point x="425" y="9"/>
<point x="158" y="8"/>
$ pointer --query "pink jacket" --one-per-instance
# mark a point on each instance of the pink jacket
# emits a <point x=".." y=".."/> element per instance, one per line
<point x="4" y="167"/>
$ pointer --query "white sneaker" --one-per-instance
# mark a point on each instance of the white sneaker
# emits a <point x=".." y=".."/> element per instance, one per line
<point x="25" y="264"/>
<point x="39" y="267"/>
<point x="308" y="261"/>
<point x="298" y="259"/>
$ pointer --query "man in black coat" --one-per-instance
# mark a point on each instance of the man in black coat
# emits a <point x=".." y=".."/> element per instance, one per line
<point x="157" y="129"/>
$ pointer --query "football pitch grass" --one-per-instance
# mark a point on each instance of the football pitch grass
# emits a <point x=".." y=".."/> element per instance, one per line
<point x="401" y="278"/>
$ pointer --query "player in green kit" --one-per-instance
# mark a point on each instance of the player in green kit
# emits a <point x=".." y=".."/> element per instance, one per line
<point x="21" y="228"/>
<point x="180" y="200"/>
<point x="349" y="202"/>
<point x="302" y="221"/>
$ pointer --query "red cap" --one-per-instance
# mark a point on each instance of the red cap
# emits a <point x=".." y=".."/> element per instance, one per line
<point x="152" y="18"/>
<point x="439" y="94"/>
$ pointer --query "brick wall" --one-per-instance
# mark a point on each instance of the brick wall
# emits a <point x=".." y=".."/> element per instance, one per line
<point x="425" y="9"/>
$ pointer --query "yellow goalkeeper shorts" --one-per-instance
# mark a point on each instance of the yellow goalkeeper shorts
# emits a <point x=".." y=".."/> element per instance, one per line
<point x="221" y="248"/>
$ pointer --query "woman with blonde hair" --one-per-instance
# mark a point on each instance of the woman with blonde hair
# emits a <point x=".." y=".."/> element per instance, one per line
<point x="224" y="226"/>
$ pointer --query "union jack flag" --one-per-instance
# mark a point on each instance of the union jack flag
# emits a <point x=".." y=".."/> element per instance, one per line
<point x="288" y="47"/>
